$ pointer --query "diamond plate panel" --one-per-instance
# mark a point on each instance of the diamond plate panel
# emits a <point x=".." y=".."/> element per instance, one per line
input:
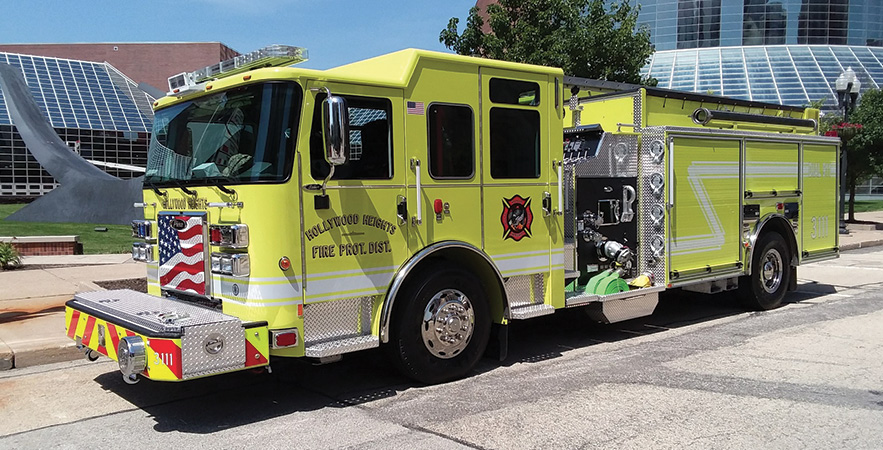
<point x="338" y="319"/>
<point x="525" y="290"/>
<point x="647" y="263"/>
<point x="638" y="111"/>
<point x="159" y="314"/>
<point x="617" y="157"/>
<point x="569" y="202"/>
<point x="197" y="359"/>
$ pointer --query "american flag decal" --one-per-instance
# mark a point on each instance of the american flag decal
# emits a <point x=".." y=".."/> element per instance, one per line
<point x="415" y="108"/>
<point x="181" y="253"/>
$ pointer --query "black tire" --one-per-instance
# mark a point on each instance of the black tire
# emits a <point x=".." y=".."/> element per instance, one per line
<point x="770" y="276"/>
<point x="437" y="293"/>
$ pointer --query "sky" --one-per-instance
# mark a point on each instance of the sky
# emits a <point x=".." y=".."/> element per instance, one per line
<point x="335" y="32"/>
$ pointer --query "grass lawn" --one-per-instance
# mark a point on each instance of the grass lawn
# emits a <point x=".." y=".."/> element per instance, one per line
<point x="117" y="238"/>
<point x="867" y="205"/>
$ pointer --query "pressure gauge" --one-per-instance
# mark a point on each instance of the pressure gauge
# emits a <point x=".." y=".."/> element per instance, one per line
<point x="657" y="213"/>
<point x="657" y="183"/>
<point x="657" y="150"/>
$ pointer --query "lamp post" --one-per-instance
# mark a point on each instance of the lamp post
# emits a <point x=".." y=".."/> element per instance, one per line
<point x="847" y="93"/>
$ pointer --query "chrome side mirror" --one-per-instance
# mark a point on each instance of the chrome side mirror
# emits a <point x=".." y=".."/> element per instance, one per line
<point x="335" y="130"/>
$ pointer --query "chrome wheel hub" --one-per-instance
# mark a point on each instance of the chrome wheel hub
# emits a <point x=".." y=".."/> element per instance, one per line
<point x="448" y="323"/>
<point x="771" y="271"/>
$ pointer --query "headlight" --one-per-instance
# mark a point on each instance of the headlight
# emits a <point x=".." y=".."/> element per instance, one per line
<point x="131" y="355"/>
<point x="142" y="229"/>
<point x="236" y="264"/>
<point x="142" y="252"/>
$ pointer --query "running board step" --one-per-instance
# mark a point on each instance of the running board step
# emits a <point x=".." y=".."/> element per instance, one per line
<point x="529" y="311"/>
<point x="327" y="348"/>
<point x="570" y="275"/>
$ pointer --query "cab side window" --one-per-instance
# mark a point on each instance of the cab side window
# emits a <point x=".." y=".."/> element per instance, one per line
<point x="514" y="131"/>
<point x="451" y="141"/>
<point x="370" y="141"/>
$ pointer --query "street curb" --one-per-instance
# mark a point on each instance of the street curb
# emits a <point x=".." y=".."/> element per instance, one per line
<point x="48" y="355"/>
<point x="858" y="245"/>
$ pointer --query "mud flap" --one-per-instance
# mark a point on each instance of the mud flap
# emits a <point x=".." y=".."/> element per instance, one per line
<point x="498" y="344"/>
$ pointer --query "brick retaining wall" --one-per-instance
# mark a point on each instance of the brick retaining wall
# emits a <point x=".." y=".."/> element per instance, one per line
<point x="46" y="245"/>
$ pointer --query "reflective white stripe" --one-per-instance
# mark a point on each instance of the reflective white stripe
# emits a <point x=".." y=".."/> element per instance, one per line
<point x="254" y="291"/>
<point x="263" y="304"/>
<point x="529" y="262"/>
<point x="558" y="258"/>
<point x="511" y="255"/>
<point x="348" y="272"/>
<point x="347" y="286"/>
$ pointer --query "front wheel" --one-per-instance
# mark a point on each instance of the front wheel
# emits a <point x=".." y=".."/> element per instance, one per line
<point x="770" y="275"/>
<point x="441" y="325"/>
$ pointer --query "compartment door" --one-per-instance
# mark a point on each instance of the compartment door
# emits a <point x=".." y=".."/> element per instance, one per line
<point x="818" y="214"/>
<point x="704" y="193"/>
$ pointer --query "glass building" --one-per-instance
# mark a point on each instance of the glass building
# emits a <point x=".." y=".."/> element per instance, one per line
<point x="97" y="110"/>
<point x="779" y="51"/>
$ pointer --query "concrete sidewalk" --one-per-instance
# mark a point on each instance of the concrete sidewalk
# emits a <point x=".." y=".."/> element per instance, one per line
<point x="32" y="301"/>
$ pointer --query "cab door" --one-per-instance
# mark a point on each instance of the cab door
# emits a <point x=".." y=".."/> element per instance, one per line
<point x="354" y="241"/>
<point x="516" y="170"/>
<point x="441" y="114"/>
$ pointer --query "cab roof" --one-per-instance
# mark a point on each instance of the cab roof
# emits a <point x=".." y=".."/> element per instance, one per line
<point x="394" y="70"/>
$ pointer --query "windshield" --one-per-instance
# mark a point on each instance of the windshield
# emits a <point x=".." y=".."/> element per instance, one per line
<point x="242" y="135"/>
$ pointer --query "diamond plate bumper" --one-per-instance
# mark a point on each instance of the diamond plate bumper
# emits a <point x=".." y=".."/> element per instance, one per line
<point x="182" y="340"/>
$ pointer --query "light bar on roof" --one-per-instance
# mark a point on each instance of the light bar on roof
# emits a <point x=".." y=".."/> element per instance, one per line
<point x="271" y="56"/>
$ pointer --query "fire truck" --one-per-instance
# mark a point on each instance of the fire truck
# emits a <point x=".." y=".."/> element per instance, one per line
<point x="421" y="202"/>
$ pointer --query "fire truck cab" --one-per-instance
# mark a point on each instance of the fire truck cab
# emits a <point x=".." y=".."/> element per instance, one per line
<point x="421" y="201"/>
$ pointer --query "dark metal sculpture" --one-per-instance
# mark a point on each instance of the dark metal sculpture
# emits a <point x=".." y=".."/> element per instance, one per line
<point x="86" y="193"/>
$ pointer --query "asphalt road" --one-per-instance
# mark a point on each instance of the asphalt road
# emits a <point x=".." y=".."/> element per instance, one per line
<point x="699" y="373"/>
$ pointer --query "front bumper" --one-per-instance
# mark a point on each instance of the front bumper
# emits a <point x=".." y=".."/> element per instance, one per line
<point x="180" y="340"/>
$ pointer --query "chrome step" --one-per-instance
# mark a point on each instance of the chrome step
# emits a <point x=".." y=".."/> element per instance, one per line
<point x="327" y="348"/>
<point x="570" y="275"/>
<point x="529" y="311"/>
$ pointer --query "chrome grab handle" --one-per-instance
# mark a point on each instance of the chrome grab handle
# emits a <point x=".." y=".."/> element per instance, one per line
<point x="415" y="165"/>
<point x="560" y="187"/>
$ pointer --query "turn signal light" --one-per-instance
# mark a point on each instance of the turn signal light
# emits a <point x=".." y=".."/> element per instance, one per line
<point x="284" y="263"/>
<point x="230" y="236"/>
<point x="142" y="229"/>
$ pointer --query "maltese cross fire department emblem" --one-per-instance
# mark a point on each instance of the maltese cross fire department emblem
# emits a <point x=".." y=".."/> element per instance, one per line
<point x="516" y="218"/>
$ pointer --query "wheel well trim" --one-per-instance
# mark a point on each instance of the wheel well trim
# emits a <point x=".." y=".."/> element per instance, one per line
<point x="405" y="270"/>
<point x="760" y="227"/>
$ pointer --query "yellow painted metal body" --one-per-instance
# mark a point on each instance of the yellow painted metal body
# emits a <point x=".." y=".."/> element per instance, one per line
<point x="346" y="257"/>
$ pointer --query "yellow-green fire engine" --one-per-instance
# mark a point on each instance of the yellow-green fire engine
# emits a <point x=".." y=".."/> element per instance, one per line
<point x="421" y="201"/>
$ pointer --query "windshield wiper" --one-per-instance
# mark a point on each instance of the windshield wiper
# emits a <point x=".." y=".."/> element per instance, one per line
<point x="153" y="187"/>
<point x="217" y="182"/>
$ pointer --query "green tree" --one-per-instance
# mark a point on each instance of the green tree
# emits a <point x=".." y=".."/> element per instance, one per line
<point x="583" y="37"/>
<point x="864" y="151"/>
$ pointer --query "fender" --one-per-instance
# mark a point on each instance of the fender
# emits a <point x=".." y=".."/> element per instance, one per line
<point x="406" y="269"/>
<point x="761" y="226"/>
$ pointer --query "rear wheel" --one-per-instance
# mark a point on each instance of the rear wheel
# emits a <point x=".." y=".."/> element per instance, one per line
<point x="770" y="275"/>
<point x="440" y="326"/>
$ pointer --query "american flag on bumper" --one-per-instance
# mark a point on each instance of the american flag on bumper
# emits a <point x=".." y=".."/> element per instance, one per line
<point x="182" y="253"/>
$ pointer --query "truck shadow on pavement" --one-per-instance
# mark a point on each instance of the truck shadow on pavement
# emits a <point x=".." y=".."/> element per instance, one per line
<point x="294" y="387"/>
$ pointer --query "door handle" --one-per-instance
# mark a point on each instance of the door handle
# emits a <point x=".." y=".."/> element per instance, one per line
<point x="415" y="165"/>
